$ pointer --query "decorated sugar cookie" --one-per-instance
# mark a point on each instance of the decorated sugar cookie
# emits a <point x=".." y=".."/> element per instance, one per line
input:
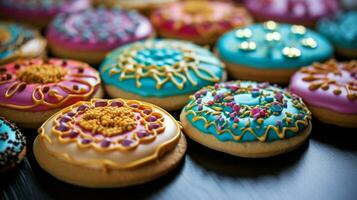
<point x="303" y="12"/>
<point x="109" y="143"/>
<point x="270" y="51"/>
<point x="39" y="12"/>
<point x="162" y="72"/>
<point x="32" y="90"/>
<point x="90" y="34"/>
<point x="341" y="30"/>
<point x="19" y="41"/>
<point x="246" y="119"/>
<point x="330" y="91"/>
<point x="199" y="21"/>
<point x="12" y="145"/>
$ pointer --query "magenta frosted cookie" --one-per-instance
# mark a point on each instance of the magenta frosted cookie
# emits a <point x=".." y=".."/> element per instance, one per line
<point x="330" y="91"/>
<point x="89" y="35"/>
<point x="303" y="12"/>
<point x="32" y="90"/>
<point x="39" y="12"/>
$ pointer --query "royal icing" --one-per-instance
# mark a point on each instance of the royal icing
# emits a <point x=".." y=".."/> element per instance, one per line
<point x="40" y="85"/>
<point x="161" y="68"/>
<point x="12" y="142"/>
<point x="273" y="46"/>
<point x="246" y="112"/>
<point x="15" y="41"/>
<point x="200" y="18"/>
<point x="341" y="30"/>
<point x="110" y="134"/>
<point x="98" y="29"/>
<point x="330" y="85"/>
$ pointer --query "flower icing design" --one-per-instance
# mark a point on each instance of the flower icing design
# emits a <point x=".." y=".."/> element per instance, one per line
<point x="340" y="76"/>
<point x="107" y="125"/>
<point x="37" y="84"/>
<point x="162" y="61"/>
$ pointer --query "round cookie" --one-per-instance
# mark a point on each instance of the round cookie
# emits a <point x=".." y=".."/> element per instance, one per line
<point x="202" y="22"/>
<point x="162" y="72"/>
<point x="246" y="119"/>
<point x="12" y="145"/>
<point x="34" y="89"/>
<point x="109" y="143"/>
<point x="19" y="41"/>
<point x="270" y="51"/>
<point x="330" y="91"/>
<point x="39" y="12"/>
<point x="341" y="30"/>
<point x="302" y="12"/>
<point x="90" y="34"/>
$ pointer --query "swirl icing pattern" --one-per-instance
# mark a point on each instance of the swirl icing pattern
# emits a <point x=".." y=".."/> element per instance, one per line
<point x="246" y="112"/>
<point x="130" y="132"/>
<point x="12" y="38"/>
<point x="12" y="143"/>
<point x="161" y="68"/>
<point x="273" y="45"/>
<point x="98" y="29"/>
<point x="40" y="85"/>
<point x="329" y="85"/>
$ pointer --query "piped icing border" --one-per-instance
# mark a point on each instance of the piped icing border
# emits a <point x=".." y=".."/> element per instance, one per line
<point x="12" y="143"/>
<point x="167" y="62"/>
<point x="44" y="84"/>
<point x="67" y="127"/>
<point x="246" y="112"/>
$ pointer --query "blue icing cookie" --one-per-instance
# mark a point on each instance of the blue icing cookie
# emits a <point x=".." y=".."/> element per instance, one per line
<point x="341" y="29"/>
<point x="246" y="112"/>
<point x="12" y="37"/>
<point x="12" y="143"/>
<point x="273" y="46"/>
<point x="161" y="68"/>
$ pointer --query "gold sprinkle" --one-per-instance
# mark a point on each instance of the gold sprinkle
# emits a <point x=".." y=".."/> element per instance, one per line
<point x="291" y="52"/>
<point x="352" y="96"/>
<point x="260" y="120"/>
<point x="41" y="74"/>
<point x="247" y="46"/>
<point x="337" y="91"/>
<point x="298" y="29"/>
<point x="244" y="33"/>
<point x="309" y="42"/>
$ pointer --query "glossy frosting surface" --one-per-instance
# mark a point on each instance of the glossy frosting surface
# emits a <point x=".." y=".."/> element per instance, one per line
<point x="159" y="68"/>
<point x="98" y="29"/>
<point x="12" y="142"/>
<point x="341" y="29"/>
<point x="246" y="112"/>
<point x="329" y="85"/>
<point x="203" y="18"/>
<point x="273" y="46"/>
<point x="110" y="134"/>
<point x="41" y="85"/>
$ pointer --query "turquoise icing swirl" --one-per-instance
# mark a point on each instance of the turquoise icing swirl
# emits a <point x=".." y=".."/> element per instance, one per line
<point x="269" y="54"/>
<point x="18" y="35"/>
<point x="161" y="68"/>
<point x="247" y="112"/>
<point x="12" y="142"/>
<point x="341" y="30"/>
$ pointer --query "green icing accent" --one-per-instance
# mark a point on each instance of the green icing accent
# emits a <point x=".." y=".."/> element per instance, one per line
<point x="341" y="30"/>
<point x="230" y="110"/>
<point x="161" y="68"/>
<point x="269" y="55"/>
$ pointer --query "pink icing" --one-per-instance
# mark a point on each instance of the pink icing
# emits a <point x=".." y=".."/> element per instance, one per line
<point x="41" y="13"/>
<point x="292" y="11"/>
<point x="326" y="98"/>
<point x="88" y="83"/>
<point x="139" y="25"/>
<point x="224" y="16"/>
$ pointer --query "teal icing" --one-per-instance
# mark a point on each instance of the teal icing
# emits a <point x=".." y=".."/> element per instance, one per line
<point x="12" y="142"/>
<point x="290" y="106"/>
<point x="269" y="55"/>
<point x="161" y="54"/>
<point x="18" y="36"/>
<point x="341" y="30"/>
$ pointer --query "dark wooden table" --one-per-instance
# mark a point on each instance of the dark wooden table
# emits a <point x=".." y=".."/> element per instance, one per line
<point x="323" y="168"/>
